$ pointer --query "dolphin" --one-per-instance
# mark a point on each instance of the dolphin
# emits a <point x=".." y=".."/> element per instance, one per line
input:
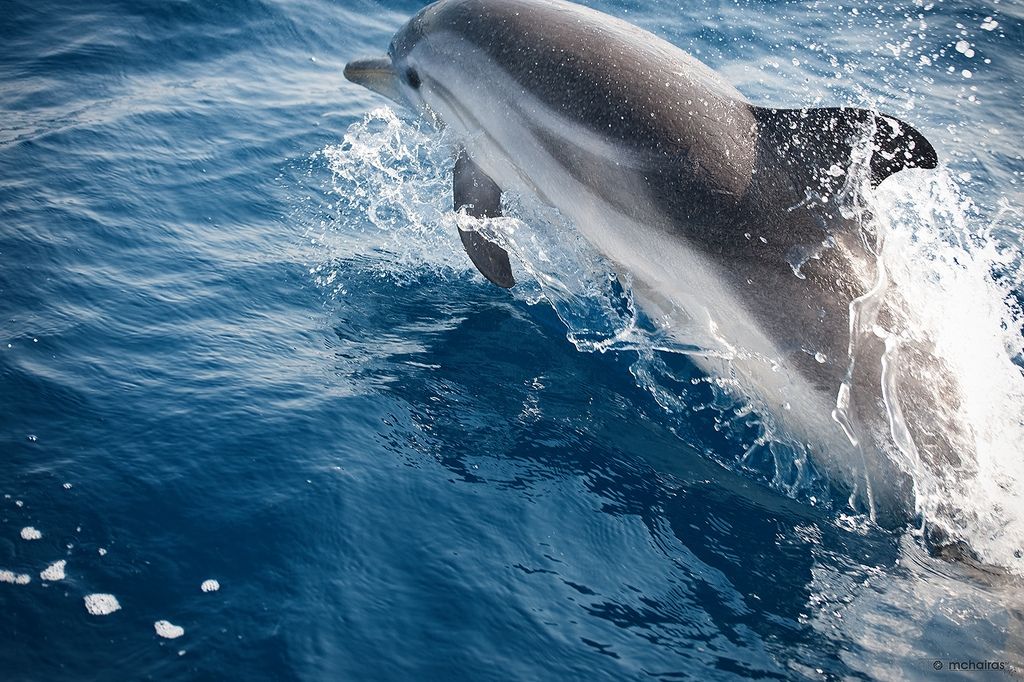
<point x="727" y="216"/>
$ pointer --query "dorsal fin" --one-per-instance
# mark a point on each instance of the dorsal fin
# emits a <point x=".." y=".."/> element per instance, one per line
<point x="817" y="139"/>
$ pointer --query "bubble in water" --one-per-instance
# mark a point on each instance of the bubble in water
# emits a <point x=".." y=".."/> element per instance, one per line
<point x="168" y="630"/>
<point x="54" y="571"/>
<point x="943" y="260"/>
<point x="101" y="604"/>
<point x="14" y="578"/>
<point x="394" y="182"/>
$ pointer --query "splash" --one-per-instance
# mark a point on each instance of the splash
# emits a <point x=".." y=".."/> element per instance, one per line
<point x="386" y="210"/>
<point x="956" y="277"/>
<point x="944" y="307"/>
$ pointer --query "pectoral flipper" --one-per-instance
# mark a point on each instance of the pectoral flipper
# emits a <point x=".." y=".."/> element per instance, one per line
<point x="481" y="197"/>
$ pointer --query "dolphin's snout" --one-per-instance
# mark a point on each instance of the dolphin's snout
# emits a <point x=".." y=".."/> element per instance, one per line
<point x="377" y="74"/>
<point x="361" y="70"/>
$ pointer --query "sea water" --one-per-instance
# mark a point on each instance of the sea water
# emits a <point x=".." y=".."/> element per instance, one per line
<point x="241" y="343"/>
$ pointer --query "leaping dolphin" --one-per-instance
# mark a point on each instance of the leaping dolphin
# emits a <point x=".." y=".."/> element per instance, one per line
<point x="709" y="202"/>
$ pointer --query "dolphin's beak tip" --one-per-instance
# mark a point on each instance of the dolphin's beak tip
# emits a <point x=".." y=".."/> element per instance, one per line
<point x="361" y="70"/>
<point x="377" y="74"/>
<point x="352" y="70"/>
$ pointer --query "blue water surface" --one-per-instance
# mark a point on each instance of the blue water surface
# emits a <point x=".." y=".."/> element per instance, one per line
<point x="421" y="478"/>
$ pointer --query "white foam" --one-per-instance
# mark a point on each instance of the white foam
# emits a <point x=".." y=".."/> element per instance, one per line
<point x="210" y="586"/>
<point x="394" y="177"/>
<point x="101" y="604"/>
<point x="168" y="630"/>
<point x="30" y="533"/>
<point x="942" y="256"/>
<point x="14" y="578"/>
<point x="54" y="571"/>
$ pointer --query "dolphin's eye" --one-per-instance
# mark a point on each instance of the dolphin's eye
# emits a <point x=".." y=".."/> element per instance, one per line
<point x="412" y="77"/>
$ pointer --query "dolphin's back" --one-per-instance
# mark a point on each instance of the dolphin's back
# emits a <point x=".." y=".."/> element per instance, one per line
<point x="621" y="84"/>
<point x="627" y="110"/>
